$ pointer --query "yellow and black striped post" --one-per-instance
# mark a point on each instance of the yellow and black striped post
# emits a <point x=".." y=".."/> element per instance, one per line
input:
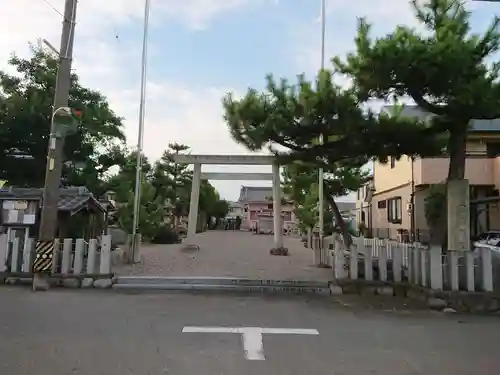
<point x="44" y="256"/>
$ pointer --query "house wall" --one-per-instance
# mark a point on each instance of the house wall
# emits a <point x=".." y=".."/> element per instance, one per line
<point x="478" y="170"/>
<point x="254" y="208"/>
<point x="389" y="176"/>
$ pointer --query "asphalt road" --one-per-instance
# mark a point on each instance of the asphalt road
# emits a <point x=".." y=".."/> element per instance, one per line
<point x="102" y="332"/>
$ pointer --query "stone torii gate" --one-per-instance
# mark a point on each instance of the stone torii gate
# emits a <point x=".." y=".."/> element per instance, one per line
<point x="198" y="160"/>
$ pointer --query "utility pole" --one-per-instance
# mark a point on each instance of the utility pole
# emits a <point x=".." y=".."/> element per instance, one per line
<point x="134" y="253"/>
<point x="48" y="225"/>
<point x="321" y="194"/>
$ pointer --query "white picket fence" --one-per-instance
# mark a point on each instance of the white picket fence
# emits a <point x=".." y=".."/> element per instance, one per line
<point x="386" y="260"/>
<point x="73" y="258"/>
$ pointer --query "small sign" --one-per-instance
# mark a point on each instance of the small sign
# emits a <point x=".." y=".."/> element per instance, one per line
<point x="12" y="216"/>
<point x="29" y="219"/>
<point x="20" y="205"/>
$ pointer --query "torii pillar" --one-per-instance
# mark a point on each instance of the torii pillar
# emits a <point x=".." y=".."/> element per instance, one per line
<point x="194" y="202"/>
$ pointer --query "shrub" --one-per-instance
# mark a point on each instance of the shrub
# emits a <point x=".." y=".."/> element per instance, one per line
<point x="165" y="236"/>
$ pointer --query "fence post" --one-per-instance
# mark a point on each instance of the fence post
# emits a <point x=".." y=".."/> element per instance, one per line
<point x="368" y="261"/>
<point x="339" y="260"/>
<point x="66" y="256"/>
<point x="411" y="266"/>
<point x="105" y="266"/>
<point x="469" y="271"/>
<point x="382" y="260"/>
<point x="487" y="276"/>
<point x="453" y="269"/>
<point x="423" y="267"/>
<point x="353" y="258"/>
<point x="90" y="269"/>
<point x="4" y="252"/>
<point x="397" y="261"/>
<point x="56" y="255"/>
<point x="16" y="251"/>
<point x="27" y="255"/>
<point x="79" y="252"/>
<point x="417" y="263"/>
<point x="436" y="267"/>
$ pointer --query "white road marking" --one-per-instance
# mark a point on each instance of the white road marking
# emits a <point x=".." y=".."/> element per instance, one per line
<point x="252" y="337"/>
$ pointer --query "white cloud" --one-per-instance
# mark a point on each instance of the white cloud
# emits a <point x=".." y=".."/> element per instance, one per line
<point x="174" y="111"/>
<point x="341" y="22"/>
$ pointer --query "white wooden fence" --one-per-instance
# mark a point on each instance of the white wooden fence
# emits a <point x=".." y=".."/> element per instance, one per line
<point x="73" y="258"/>
<point x="386" y="260"/>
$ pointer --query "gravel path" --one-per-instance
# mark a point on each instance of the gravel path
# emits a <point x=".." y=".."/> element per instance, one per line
<point x="228" y="254"/>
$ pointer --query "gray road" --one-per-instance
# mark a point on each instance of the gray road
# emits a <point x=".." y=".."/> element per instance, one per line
<point x="94" y="333"/>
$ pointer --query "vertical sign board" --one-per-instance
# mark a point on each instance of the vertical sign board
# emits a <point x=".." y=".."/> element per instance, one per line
<point x="458" y="215"/>
<point x="252" y="337"/>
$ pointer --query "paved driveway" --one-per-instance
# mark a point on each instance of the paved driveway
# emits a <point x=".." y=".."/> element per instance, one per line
<point x="65" y="332"/>
<point x="229" y="254"/>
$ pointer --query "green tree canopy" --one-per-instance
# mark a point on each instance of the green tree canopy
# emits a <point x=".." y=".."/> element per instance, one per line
<point x="445" y="70"/>
<point x="26" y="101"/>
<point x="295" y="116"/>
<point x="172" y="180"/>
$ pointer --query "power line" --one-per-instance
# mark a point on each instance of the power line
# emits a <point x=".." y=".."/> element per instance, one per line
<point x="53" y="7"/>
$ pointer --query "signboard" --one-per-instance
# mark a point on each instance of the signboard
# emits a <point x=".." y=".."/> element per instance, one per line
<point x="17" y="212"/>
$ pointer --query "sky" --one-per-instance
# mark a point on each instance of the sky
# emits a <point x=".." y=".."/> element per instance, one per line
<point x="198" y="51"/>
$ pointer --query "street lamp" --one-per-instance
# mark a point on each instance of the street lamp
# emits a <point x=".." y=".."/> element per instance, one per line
<point x="50" y="46"/>
<point x="140" y="135"/>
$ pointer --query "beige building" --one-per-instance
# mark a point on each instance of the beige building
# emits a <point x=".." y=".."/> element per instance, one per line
<point x="385" y="204"/>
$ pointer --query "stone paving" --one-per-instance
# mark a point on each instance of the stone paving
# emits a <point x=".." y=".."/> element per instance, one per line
<point x="228" y="254"/>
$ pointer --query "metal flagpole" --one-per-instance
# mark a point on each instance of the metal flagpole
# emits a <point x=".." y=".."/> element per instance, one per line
<point x="140" y="135"/>
<point x="321" y="198"/>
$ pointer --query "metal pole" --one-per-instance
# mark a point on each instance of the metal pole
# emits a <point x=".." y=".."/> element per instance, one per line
<point x="140" y="135"/>
<point x="321" y="198"/>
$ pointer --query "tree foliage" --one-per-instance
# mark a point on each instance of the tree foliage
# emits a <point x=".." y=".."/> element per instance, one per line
<point x="445" y="70"/>
<point x="165" y="193"/>
<point x="26" y="102"/>
<point x="289" y="120"/>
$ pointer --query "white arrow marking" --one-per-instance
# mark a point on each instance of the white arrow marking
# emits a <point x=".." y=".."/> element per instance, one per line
<point x="252" y="337"/>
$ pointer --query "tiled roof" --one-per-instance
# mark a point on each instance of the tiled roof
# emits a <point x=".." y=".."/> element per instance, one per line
<point x="346" y="206"/>
<point x="255" y="194"/>
<point x="70" y="198"/>
<point x="475" y="125"/>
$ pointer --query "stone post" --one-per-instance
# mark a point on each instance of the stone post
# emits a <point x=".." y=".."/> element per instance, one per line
<point x="458" y="215"/>
<point x="278" y="235"/>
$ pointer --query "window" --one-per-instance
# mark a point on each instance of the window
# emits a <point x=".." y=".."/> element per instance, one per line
<point x="394" y="210"/>
<point x="359" y="191"/>
<point x="382" y="204"/>
<point x="492" y="149"/>
<point x="393" y="162"/>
